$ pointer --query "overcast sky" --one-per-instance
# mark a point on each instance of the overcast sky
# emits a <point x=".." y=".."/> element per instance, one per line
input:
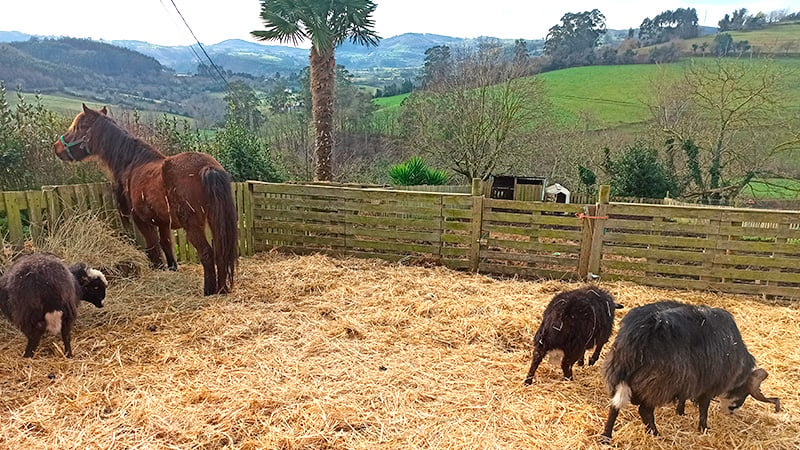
<point x="157" y="22"/>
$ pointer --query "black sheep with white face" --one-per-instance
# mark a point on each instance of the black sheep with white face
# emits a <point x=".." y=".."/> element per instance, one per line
<point x="672" y="352"/>
<point x="39" y="294"/>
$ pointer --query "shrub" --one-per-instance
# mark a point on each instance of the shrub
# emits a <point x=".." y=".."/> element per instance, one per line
<point x="243" y="154"/>
<point x="415" y="172"/>
<point x="639" y="173"/>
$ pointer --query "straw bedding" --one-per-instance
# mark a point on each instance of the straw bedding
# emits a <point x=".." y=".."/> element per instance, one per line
<point x="319" y="353"/>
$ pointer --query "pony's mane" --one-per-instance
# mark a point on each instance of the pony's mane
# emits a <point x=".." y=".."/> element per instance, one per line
<point x="119" y="149"/>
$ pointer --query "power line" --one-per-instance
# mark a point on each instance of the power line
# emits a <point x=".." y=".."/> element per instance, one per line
<point x="214" y="65"/>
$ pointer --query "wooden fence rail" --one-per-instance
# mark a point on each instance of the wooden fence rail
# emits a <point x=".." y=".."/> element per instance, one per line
<point x="28" y="214"/>
<point x="720" y="249"/>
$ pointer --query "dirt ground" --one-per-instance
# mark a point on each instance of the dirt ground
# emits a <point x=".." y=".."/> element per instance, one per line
<point x="318" y="353"/>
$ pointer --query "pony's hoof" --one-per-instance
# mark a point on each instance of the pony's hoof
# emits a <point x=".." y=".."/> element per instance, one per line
<point x="173" y="268"/>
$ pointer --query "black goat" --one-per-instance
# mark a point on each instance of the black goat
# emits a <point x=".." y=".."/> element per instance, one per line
<point x="574" y="322"/>
<point x="672" y="352"/>
<point x="39" y="294"/>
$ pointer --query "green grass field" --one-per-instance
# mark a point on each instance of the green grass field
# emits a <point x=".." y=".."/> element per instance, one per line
<point x="773" y="188"/>
<point x="602" y="97"/>
<point x="780" y="39"/>
<point x="62" y="104"/>
<point x="390" y="102"/>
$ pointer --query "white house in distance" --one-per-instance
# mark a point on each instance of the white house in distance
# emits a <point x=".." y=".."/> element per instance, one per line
<point x="556" y="193"/>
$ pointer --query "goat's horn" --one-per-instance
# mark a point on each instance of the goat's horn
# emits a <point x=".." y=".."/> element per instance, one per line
<point x="756" y="378"/>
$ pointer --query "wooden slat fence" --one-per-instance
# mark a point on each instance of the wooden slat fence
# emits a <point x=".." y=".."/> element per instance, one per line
<point x="28" y="214"/>
<point x="721" y="249"/>
<point x="530" y="239"/>
<point x="393" y="225"/>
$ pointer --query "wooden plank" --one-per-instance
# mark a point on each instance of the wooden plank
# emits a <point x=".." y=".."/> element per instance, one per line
<point x="627" y="209"/>
<point x="655" y="226"/>
<point x="656" y="254"/>
<point x="586" y="242"/>
<point x="528" y="272"/>
<point x="391" y="257"/>
<point x="455" y="264"/>
<point x="429" y="236"/>
<point x="35" y="214"/>
<point x="659" y="241"/>
<point x="654" y="268"/>
<point x="463" y="202"/>
<point x="392" y="222"/>
<point x="181" y="246"/>
<point x="462" y="252"/>
<point x="81" y="198"/>
<point x="450" y="214"/>
<point x="477" y="229"/>
<point x="760" y="247"/>
<point x="248" y="214"/>
<point x="670" y="283"/>
<point x="429" y="208"/>
<point x="238" y="199"/>
<point x="703" y="271"/>
<point x="297" y="216"/>
<point x="457" y="226"/>
<point x="527" y="207"/>
<point x="759" y="216"/>
<point x="533" y="233"/>
<point x="532" y="246"/>
<point x="299" y="250"/>
<point x="456" y="239"/>
<point x="781" y="231"/>
<point x="302" y="239"/>
<point x="755" y="289"/>
<point x="598" y="225"/>
<point x="344" y="192"/>
<point x="757" y="261"/>
<point x="402" y="247"/>
<point x="531" y="258"/>
<point x="15" y="202"/>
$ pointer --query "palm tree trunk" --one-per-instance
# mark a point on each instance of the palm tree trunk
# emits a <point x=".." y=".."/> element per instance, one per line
<point x="323" y="73"/>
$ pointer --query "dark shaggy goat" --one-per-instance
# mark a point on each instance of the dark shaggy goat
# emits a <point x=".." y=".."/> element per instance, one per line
<point x="39" y="294"/>
<point x="574" y="322"/>
<point x="672" y="352"/>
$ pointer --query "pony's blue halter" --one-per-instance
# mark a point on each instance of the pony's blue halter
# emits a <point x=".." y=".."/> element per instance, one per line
<point x="67" y="146"/>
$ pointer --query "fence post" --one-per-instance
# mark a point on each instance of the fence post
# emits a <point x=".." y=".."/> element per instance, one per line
<point x="586" y="240"/>
<point x="476" y="186"/>
<point x="598" y="226"/>
<point x="477" y="225"/>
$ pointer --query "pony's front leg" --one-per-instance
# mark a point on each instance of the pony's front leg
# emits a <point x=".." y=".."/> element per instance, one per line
<point x="165" y="235"/>
<point x="153" y="250"/>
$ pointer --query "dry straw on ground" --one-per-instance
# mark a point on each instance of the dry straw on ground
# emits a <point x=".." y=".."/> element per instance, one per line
<point x="318" y="353"/>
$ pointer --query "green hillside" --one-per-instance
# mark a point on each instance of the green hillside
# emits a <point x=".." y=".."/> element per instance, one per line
<point x="782" y="39"/>
<point x="604" y="97"/>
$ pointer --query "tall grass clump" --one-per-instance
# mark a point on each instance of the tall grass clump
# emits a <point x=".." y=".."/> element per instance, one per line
<point x="88" y="237"/>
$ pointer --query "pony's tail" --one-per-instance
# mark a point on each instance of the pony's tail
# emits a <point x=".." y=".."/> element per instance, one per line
<point x="222" y="219"/>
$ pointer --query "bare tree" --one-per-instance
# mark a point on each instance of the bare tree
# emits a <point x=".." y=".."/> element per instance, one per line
<point x="478" y="119"/>
<point x="728" y="122"/>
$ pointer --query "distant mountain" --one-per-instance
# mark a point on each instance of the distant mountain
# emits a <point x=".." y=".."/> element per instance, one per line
<point x="95" y="70"/>
<point x="13" y="36"/>
<point x="404" y="51"/>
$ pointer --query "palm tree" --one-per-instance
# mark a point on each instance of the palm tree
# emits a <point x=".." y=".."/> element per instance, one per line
<point x="327" y="23"/>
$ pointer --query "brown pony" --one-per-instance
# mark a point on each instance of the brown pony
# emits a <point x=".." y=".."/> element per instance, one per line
<point x="162" y="193"/>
